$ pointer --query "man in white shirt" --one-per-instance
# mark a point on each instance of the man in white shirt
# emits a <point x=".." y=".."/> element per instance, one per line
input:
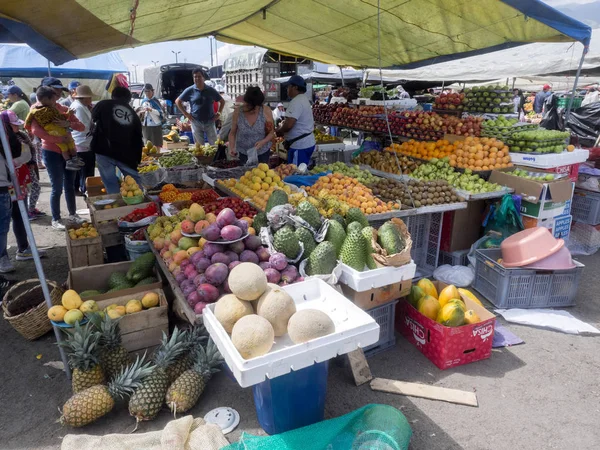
<point x="82" y="108"/>
<point x="298" y="125"/>
<point x="278" y="114"/>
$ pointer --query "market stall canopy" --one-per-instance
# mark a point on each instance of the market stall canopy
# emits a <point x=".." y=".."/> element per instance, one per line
<point x="350" y="76"/>
<point x="24" y="62"/>
<point x="341" y="32"/>
<point x="532" y="60"/>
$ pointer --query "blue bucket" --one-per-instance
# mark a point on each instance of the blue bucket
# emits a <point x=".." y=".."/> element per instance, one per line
<point x="427" y="106"/>
<point x="292" y="401"/>
<point x="189" y="134"/>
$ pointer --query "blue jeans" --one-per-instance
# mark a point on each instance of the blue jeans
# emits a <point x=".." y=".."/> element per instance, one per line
<point x="5" y="216"/>
<point x="59" y="178"/>
<point x="300" y="155"/>
<point x="108" y="172"/>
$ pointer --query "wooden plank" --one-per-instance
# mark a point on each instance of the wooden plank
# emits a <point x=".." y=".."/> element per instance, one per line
<point x="95" y="254"/>
<point x="144" y="338"/>
<point x="425" y="391"/>
<point x="144" y="319"/>
<point x="359" y="366"/>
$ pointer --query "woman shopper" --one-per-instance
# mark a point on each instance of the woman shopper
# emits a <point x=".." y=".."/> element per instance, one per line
<point x="60" y="177"/>
<point x="152" y="115"/>
<point x="82" y="108"/>
<point x="19" y="102"/>
<point x="20" y="148"/>
<point x="252" y="128"/>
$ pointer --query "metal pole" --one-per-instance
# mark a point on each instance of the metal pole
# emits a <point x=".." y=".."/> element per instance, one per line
<point x="342" y="74"/>
<point x="49" y="73"/>
<point x="568" y="113"/>
<point x="32" y="244"/>
<point x="216" y="53"/>
<point x="211" y="51"/>
<point x="514" y="79"/>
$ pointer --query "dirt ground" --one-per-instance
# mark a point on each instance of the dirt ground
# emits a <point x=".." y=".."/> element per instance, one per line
<point x="543" y="394"/>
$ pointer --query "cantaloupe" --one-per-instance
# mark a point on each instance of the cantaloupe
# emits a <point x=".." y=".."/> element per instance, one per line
<point x="277" y="306"/>
<point x="308" y="324"/>
<point x="252" y="336"/>
<point x="247" y="281"/>
<point x="229" y="309"/>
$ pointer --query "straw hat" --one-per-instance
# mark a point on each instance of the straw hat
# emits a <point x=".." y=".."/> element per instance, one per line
<point x="83" y="91"/>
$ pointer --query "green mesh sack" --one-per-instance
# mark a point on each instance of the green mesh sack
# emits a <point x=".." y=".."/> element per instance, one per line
<point x="372" y="427"/>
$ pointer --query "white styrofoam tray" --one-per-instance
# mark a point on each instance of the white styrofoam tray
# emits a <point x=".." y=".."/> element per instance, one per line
<point x="375" y="278"/>
<point x="550" y="160"/>
<point x="353" y="328"/>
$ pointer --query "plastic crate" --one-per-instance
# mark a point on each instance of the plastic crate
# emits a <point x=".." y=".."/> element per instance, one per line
<point x="524" y="288"/>
<point x="457" y="258"/>
<point x="384" y="315"/>
<point x="585" y="207"/>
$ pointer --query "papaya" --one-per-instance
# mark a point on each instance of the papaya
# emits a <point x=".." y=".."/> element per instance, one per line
<point x="468" y="294"/>
<point x="451" y="315"/>
<point x="428" y="287"/>
<point x="471" y="317"/>
<point x="416" y="293"/>
<point x="448" y="293"/>
<point x="429" y="307"/>
<point x="459" y="302"/>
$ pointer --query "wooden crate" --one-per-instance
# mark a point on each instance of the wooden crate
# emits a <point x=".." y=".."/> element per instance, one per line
<point x="143" y="329"/>
<point x="83" y="252"/>
<point x="96" y="278"/>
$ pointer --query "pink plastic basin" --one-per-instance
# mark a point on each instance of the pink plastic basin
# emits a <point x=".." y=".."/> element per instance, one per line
<point x="560" y="260"/>
<point x="529" y="246"/>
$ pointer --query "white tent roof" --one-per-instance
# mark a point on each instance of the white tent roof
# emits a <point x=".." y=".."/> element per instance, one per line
<point x="530" y="60"/>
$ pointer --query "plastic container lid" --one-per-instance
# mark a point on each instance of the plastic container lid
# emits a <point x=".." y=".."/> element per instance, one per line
<point x="529" y="246"/>
<point x="561" y="260"/>
<point x="225" y="417"/>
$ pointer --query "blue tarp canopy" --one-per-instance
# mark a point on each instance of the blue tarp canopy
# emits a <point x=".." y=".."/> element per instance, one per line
<point x="24" y="62"/>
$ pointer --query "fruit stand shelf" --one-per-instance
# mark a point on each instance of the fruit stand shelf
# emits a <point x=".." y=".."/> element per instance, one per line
<point x="469" y="196"/>
<point x="550" y="160"/>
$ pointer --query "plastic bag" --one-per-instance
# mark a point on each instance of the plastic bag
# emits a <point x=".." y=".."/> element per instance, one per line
<point x="584" y="123"/>
<point x="504" y="218"/>
<point x="459" y="276"/>
<point x="278" y="215"/>
<point x="252" y="157"/>
<point x="553" y="118"/>
<point x="584" y="239"/>
<point x="331" y="279"/>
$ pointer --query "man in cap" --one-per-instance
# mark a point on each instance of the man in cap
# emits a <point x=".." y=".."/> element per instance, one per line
<point x="55" y="84"/>
<point x="67" y="101"/>
<point x="298" y="125"/>
<point x="152" y="115"/>
<point x="278" y="114"/>
<point x="540" y="97"/>
<point x="82" y="108"/>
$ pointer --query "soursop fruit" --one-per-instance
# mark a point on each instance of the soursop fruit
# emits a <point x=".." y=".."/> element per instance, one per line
<point x="354" y="226"/>
<point x="390" y="239"/>
<point x="354" y="251"/>
<point x="309" y="213"/>
<point x="367" y="233"/>
<point x="322" y="260"/>
<point x="307" y="240"/>
<point x="286" y="242"/>
<point x="336" y="235"/>
<point x="277" y="197"/>
<point x="340" y="219"/>
<point x="356" y="215"/>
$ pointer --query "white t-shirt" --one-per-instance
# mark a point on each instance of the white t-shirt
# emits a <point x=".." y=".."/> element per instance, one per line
<point x="300" y="109"/>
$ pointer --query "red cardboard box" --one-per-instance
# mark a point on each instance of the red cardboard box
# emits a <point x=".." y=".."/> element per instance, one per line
<point x="447" y="347"/>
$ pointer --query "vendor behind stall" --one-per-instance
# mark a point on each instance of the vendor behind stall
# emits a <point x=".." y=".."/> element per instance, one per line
<point x="298" y="125"/>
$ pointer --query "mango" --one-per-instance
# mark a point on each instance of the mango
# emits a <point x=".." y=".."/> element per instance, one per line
<point x="88" y="306"/>
<point x="133" y="306"/>
<point x="72" y="316"/>
<point x="150" y="300"/>
<point x="57" y="313"/>
<point x="71" y="300"/>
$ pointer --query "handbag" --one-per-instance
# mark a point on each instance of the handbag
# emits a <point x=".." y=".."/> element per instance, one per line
<point x="288" y="143"/>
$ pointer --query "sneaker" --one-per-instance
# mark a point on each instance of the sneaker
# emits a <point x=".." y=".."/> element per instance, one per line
<point x="27" y="254"/>
<point x="57" y="225"/>
<point x="5" y="265"/>
<point x="80" y="162"/>
<point x="33" y="217"/>
<point x="76" y="219"/>
<point x="72" y="165"/>
<point x="37" y="212"/>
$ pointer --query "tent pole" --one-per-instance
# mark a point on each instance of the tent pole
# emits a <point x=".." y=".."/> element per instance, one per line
<point x="49" y="73"/>
<point x="31" y="239"/>
<point x="514" y="79"/>
<point x="342" y="75"/>
<point x="572" y="96"/>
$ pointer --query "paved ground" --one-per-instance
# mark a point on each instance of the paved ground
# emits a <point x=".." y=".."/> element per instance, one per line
<point x="540" y="395"/>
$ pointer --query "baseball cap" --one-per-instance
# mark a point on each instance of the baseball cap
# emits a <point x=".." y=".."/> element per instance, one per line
<point x="546" y="86"/>
<point x="279" y="104"/>
<point x="148" y="87"/>
<point x="14" y="90"/>
<point x="13" y="119"/>
<point x="54" y="83"/>
<point x="297" y="80"/>
<point x="73" y="84"/>
<point x="83" y="91"/>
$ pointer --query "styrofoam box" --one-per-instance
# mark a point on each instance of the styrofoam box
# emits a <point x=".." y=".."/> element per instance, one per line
<point x="333" y="147"/>
<point x="375" y="278"/>
<point x="550" y="160"/>
<point x="353" y="328"/>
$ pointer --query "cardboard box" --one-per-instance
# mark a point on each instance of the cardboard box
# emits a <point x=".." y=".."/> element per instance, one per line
<point x="447" y="347"/>
<point x="571" y="171"/>
<point x="540" y="200"/>
<point x="143" y="329"/>
<point x="559" y="226"/>
<point x="378" y="296"/>
<point x="461" y="228"/>
<point x="96" y="278"/>
<point x="94" y="186"/>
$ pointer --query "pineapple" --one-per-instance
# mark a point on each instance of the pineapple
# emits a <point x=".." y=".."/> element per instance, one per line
<point x="183" y="394"/>
<point x="84" y="357"/>
<point x="97" y="401"/>
<point x="113" y="356"/>
<point x="196" y="337"/>
<point x="148" y="399"/>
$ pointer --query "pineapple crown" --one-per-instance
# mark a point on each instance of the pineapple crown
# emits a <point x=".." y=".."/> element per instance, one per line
<point x="171" y="348"/>
<point x="207" y="361"/>
<point x="110" y="335"/>
<point x="130" y="378"/>
<point x="197" y="336"/>
<point x="82" y="344"/>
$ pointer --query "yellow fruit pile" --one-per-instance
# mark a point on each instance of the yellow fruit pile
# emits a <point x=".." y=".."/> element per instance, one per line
<point x="480" y="154"/>
<point x="86" y="231"/>
<point x="170" y="194"/>
<point x="149" y="300"/>
<point x="447" y="308"/>
<point x="351" y="192"/>
<point x="129" y="188"/>
<point x="148" y="168"/>
<point x="256" y="184"/>
<point x="423" y="149"/>
<point x="72" y="308"/>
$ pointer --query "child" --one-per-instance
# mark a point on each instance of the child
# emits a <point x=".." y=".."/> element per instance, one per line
<point x="46" y="115"/>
